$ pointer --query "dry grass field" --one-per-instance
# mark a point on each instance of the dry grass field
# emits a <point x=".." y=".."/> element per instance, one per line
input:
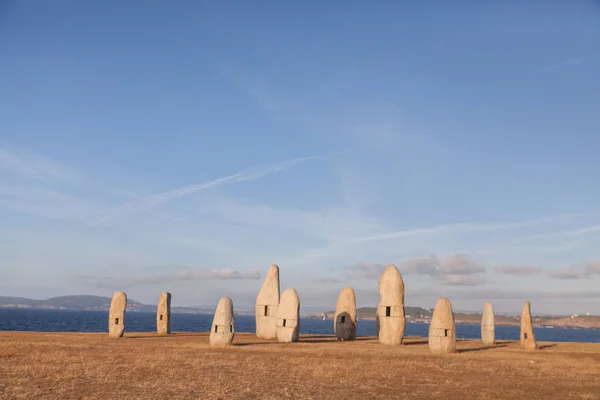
<point x="183" y="366"/>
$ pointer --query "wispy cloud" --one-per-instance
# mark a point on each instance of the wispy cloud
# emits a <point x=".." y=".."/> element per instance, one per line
<point x="519" y="270"/>
<point x="188" y="275"/>
<point x="569" y="62"/>
<point x="149" y="202"/>
<point x="577" y="272"/>
<point x="569" y="233"/>
<point x="452" y="270"/>
<point x="460" y="228"/>
<point x="33" y="166"/>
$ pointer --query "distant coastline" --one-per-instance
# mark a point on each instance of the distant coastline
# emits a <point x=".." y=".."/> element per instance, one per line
<point x="418" y="314"/>
<point x="413" y="314"/>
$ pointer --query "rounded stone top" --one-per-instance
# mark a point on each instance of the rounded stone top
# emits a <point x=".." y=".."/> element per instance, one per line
<point x="346" y="299"/>
<point x="289" y="296"/>
<point x="488" y="308"/>
<point x="442" y="314"/>
<point x="390" y="280"/>
<point x="119" y="295"/>
<point x="225" y="302"/>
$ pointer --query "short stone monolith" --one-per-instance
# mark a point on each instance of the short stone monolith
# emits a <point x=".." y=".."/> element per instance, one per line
<point x="163" y="314"/>
<point x="288" y="317"/>
<point x="223" y="326"/>
<point x="527" y="336"/>
<point x="442" y="331"/>
<point x="267" y="303"/>
<point x="116" y="315"/>
<point x="488" y="326"/>
<point x="391" y="320"/>
<point x="344" y="322"/>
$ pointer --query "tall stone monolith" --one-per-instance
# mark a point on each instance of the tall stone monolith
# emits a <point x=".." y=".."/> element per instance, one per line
<point x="344" y="322"/>
<point x="288" y="316"/>
<point x="223" y="326"/>
<point x="488" y="326"/>
<point x="116" y="315"/>
<point x="391" y="320"/>
<point x="163" y="314"/>
<point x="267" y="303"/>
<point x="442" y="331"/>
<point x="527" y="336"/>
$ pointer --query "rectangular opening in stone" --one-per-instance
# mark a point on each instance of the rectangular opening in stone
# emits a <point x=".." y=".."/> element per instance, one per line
<point x="343" y="320"/>
<point x="445" y="332"/>
<point x="216" y="327"/>
<point x="266" y="311"/>
<point x="525" y="335"/>
<point x="116" y="321"/>
<point x="283" y="323"/>
<point x="230" y="328"/>
<point x="388" y="311"/>
<point x="161" y="317"/>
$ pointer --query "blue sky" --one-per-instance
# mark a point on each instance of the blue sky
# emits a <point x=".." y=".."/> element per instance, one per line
<point x="187" y="146"/>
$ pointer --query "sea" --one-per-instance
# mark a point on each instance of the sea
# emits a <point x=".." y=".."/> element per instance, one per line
<point x="14" y="319"/>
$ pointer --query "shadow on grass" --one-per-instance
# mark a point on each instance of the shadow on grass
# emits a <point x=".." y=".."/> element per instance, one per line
<point x="253" y="344"/>
<point x="170" y="336"/>
<point x="479" y="348"/>
<point x="415" y="342"/>
<point x="547" y="346"/>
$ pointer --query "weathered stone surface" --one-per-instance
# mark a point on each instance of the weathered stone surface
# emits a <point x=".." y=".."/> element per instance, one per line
<point x="288" y="316"/>
<point x="488" y="326"/>
<point x="344" y="322"/>
<point x="527" y="336"/>
<point x="223" y="326"/>
<point x="267" y="304"/>
<point x="163" y="314"/>
<point x="116" y="315"/>
<point x="442" y="331"/>
<point x="390" y="320"/>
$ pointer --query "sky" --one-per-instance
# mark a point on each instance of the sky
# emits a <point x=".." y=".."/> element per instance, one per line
<point x="187" y="146"/>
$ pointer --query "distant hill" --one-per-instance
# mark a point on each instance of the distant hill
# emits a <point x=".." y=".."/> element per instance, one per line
<point x="86" y="302"/>
<point x="371" y="312"/>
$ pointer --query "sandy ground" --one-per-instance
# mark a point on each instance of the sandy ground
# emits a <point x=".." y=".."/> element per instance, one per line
<point x="183" y="366"/>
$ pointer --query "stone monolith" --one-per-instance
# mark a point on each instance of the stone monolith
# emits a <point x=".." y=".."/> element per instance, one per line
<point x="442" y="331"/>
<point x="527" y="337"/>
<point x="267" y="303"/>
<point x="288" y="316"/>
<point x="223" y="326"/>
<point x="344" y="322"/>
<point x="488" y="326"/>
<point x="391" y="320"/>
<point x="116" y="315"/>
<point x="163" y="314"/>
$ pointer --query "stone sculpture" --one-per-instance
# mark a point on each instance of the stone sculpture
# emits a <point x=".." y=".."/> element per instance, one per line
<point x="288" y="316"/>
<point x="163" y="314"/>
<point x="390" y="320"/>
<point x="223" y="326"/>
<point x="267" y="303"/>
<point x="488" y="326"/>
<point x="442" y="331"/>
<point x="116" y="315"/>
<point x="527" y="337"/>
<point x="344" y="322"/>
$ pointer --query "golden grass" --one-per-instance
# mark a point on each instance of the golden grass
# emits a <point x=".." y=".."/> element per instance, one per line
<point x="183" y="366"/>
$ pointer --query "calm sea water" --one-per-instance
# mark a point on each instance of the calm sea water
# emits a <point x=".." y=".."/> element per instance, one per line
<point x="97" y="321"/>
